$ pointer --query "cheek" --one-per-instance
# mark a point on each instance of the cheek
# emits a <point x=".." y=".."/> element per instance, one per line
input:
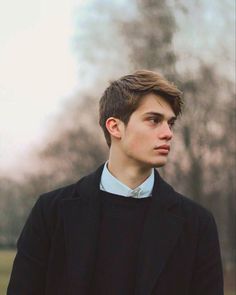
<point x="138" y="141"/>
<point x="137" y="138"/>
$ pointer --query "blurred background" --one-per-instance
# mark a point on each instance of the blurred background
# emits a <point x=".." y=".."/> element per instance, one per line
<point x="56" y="59"/>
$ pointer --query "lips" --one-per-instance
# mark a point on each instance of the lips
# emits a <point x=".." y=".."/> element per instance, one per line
<point x="165" y="147"/>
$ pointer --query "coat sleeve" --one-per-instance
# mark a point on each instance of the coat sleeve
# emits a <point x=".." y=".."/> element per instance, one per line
<point x="30" y="265"/>
<point x="208" y="273"/>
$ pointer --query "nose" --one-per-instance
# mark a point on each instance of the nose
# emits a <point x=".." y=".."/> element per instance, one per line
<point x="166" y="132"/>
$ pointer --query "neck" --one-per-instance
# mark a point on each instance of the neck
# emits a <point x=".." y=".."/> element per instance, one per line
<point x="133" y="175"/>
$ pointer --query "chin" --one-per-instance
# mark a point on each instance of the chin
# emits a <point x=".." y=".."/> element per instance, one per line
<point x="158" y="164"/>
<point x="155" y="164"/>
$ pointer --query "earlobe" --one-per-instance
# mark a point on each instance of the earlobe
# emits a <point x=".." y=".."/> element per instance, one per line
<point x="113" y="127"/>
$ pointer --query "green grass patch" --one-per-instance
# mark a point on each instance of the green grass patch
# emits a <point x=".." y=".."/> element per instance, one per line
<point x="6" y="260"/>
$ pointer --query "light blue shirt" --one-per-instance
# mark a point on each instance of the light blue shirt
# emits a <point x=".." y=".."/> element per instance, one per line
<point x="111" y="184"/>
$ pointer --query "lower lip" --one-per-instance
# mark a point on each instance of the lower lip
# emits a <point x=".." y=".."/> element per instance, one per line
<point x="163" y="151"/>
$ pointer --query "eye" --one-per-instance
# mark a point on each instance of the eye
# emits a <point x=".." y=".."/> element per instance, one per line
<point x="154" y="120"/>
<point x="171" y="124"/>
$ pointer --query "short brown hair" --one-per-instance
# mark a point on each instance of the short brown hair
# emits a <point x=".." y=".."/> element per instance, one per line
<point x="124" y="95"/>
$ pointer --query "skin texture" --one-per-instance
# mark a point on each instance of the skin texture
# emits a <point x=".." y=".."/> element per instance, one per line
<point x="136" y="146"/>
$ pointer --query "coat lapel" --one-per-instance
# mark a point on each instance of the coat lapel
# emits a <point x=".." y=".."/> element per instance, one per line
<point x="161" y="232"/>
<point x="81" y="215"/>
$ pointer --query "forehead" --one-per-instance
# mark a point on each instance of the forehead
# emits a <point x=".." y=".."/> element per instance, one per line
<point x="151" y="103"/>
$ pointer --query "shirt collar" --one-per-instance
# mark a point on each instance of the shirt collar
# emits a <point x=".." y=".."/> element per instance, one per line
<point x="111" y="184"/>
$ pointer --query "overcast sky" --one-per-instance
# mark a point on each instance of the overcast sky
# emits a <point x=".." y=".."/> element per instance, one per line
<point x="37" y="71"/>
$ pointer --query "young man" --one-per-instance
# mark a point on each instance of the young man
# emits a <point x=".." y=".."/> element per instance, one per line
<point x="122" y="230"/>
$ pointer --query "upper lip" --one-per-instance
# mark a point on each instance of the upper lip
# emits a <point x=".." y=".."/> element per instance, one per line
<point x="164" y="146"/>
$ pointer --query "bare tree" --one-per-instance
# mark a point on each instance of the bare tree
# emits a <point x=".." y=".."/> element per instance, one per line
<point x="150" y="35"/>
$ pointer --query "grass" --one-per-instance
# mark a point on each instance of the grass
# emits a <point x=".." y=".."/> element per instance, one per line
<point x="6" y="260"/>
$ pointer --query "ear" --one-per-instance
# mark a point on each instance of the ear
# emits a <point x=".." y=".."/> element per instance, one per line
<point x="114" y="127"/>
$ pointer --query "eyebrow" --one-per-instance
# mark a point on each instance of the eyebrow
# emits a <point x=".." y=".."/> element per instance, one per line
<point x="173" y="118"/>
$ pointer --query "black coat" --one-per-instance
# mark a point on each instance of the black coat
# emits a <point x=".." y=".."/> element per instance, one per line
<point x="179" y="252"/>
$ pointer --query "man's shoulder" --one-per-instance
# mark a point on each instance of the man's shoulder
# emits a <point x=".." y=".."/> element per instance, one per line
<point x="185" y="205"/>
<point x="191" y="209"/>
<point x="50" y="201"/>
<point x="64" y="192"/>
<point x="70" y="191"/>
<point x="49" y="204"/>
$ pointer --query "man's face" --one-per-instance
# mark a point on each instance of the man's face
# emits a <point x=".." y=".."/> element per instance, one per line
<point x="145" y="140"/>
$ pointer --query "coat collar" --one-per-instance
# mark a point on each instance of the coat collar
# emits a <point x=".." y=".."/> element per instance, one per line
<point x="81" y="214"/>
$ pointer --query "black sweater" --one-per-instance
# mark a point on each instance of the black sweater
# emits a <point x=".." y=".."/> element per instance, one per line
<point x="122" y="222"/>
